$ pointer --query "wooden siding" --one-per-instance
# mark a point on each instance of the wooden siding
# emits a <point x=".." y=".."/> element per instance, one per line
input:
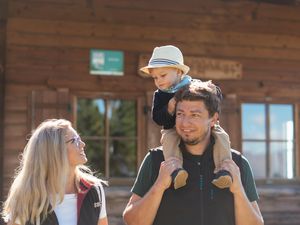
<point x="48" y="43"/>
<point x="3" y="11"/>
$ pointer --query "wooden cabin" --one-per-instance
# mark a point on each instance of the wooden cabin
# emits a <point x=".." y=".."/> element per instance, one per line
<point x="54" y="64"/>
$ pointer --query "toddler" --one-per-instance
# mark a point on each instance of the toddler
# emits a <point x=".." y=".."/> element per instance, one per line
<point x="169" y="72"/>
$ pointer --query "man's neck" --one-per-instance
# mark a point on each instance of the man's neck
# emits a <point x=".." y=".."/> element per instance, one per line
<point x="199" y="148"/>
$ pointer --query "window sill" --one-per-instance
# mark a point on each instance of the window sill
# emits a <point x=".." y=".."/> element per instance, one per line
<point x="118" y="181"/>
<point x="118" y="192"/>
<point x="279" y="188"/>
<point x="279" y="182"/>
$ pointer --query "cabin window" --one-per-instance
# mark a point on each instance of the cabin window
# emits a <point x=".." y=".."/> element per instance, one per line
<point x="109" y="129"/>
<point x="268" y="139"/>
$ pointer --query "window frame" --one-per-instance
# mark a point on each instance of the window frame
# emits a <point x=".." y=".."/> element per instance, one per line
<point x="296" y="116"/>
<point x="140" y="132"/>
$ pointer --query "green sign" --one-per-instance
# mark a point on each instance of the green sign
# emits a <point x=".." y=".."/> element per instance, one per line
<point x="106" y="62"/>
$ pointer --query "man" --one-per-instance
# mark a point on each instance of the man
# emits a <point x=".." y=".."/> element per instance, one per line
<point x="154" y="201"/>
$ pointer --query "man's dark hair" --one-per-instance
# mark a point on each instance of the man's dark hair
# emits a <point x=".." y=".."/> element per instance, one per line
<point x="207" y="92"/>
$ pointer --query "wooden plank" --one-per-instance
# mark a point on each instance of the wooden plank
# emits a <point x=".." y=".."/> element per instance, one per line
<point x="18" y="104"/>
<point x="245" y="88"/>
<point x="3" y="10"/>
<point x="270" y="75"/>
<point x="16" y="130"/>
<point x="134" y="45"/>
<point x="47" y="104"/>
<point x="87" y="30"/>
<point x="269" y="65"/>
<point x="36" y="75"/>
<point x="242" y="22"/>
<point x="267" y="89"/>
<point x="200" y="7"/>
<point x="104" y="84"/>
<point x="229" y="118"/>
<point x="281" y="218"/>
<point x="14" y="89"/>
<point x="238" y="9"/>
<point x="15" y="117"/>
<point x="56" y="59"/>
<point x="19" y="53"/>
<point x="21" y="7"/>
<point x="297" y="138"/>
<point x="12" y="144"/>
<point x="10" y="163"/>
<point x="280" y="12"/>
<point x="37" y="63"/>
<point x="93" y="83"/>
<point x="153" y="134"/>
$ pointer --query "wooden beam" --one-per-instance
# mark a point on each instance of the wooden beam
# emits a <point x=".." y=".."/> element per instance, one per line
<point x="3" y="19"/>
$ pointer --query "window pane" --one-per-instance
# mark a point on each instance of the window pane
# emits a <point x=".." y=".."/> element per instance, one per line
<point x="253" y="121"/>
<point x="90" y="117"/>
<point x="121" y="135"/>
<point x="96" y="155"/>
<point x="255" y="152"/>
<point x="281" y="122"/>
<point x="122" y="158"/>
<point x="122" y="115"/>
<point x="282" y="163"/>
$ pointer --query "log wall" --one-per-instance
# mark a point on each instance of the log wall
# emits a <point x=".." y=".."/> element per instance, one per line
<point x="48" y="43"/>
<point x="3" y="11"/>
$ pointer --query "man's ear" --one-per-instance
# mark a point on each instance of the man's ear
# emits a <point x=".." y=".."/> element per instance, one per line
<point x="214" y="119"/>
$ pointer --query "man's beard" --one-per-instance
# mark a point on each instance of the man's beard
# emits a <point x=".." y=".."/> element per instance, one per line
<point x="191" y="142"/>
<point x="196" y="140"/>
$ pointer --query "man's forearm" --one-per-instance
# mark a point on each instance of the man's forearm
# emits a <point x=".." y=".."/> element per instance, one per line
<point x="246" y="213"/>
<point x="143" y="211"/>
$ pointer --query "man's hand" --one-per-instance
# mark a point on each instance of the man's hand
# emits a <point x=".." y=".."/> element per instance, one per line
<point x="234" y="170"/>
<point x="167" y="167"/>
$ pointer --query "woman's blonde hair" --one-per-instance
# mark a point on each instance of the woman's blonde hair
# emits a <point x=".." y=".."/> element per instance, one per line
<point x="41" y="177"/>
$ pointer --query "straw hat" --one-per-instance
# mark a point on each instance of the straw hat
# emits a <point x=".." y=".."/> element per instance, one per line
<point x="166" y="56"/>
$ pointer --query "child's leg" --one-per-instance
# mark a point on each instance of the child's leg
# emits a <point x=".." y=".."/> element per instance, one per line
<point x="221" y="146"/>
<point x="221" y="152"/>
<point x="170" y="142"/>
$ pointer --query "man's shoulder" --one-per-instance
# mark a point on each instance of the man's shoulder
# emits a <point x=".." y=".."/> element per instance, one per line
<point x="156" y="151"/>
<point x="235" y="152"/>
<point x="156" y="156"/>
<point x="240" y="160"/>
<point x="237" y="157"/>
<point x="158" y="148"/>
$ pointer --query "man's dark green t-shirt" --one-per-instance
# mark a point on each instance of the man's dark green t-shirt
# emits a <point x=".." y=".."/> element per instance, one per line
<point x="144" y="179"/>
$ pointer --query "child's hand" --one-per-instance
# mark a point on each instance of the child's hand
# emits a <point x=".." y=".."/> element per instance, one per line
<point x="171" y="106"/>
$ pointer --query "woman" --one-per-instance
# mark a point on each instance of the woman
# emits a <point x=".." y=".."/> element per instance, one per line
<point x="52" y="186"/>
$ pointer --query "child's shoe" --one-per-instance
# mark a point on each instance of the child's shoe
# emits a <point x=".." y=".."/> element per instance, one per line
<point x="179" y="177"/>
<point x="223" y="179"/>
